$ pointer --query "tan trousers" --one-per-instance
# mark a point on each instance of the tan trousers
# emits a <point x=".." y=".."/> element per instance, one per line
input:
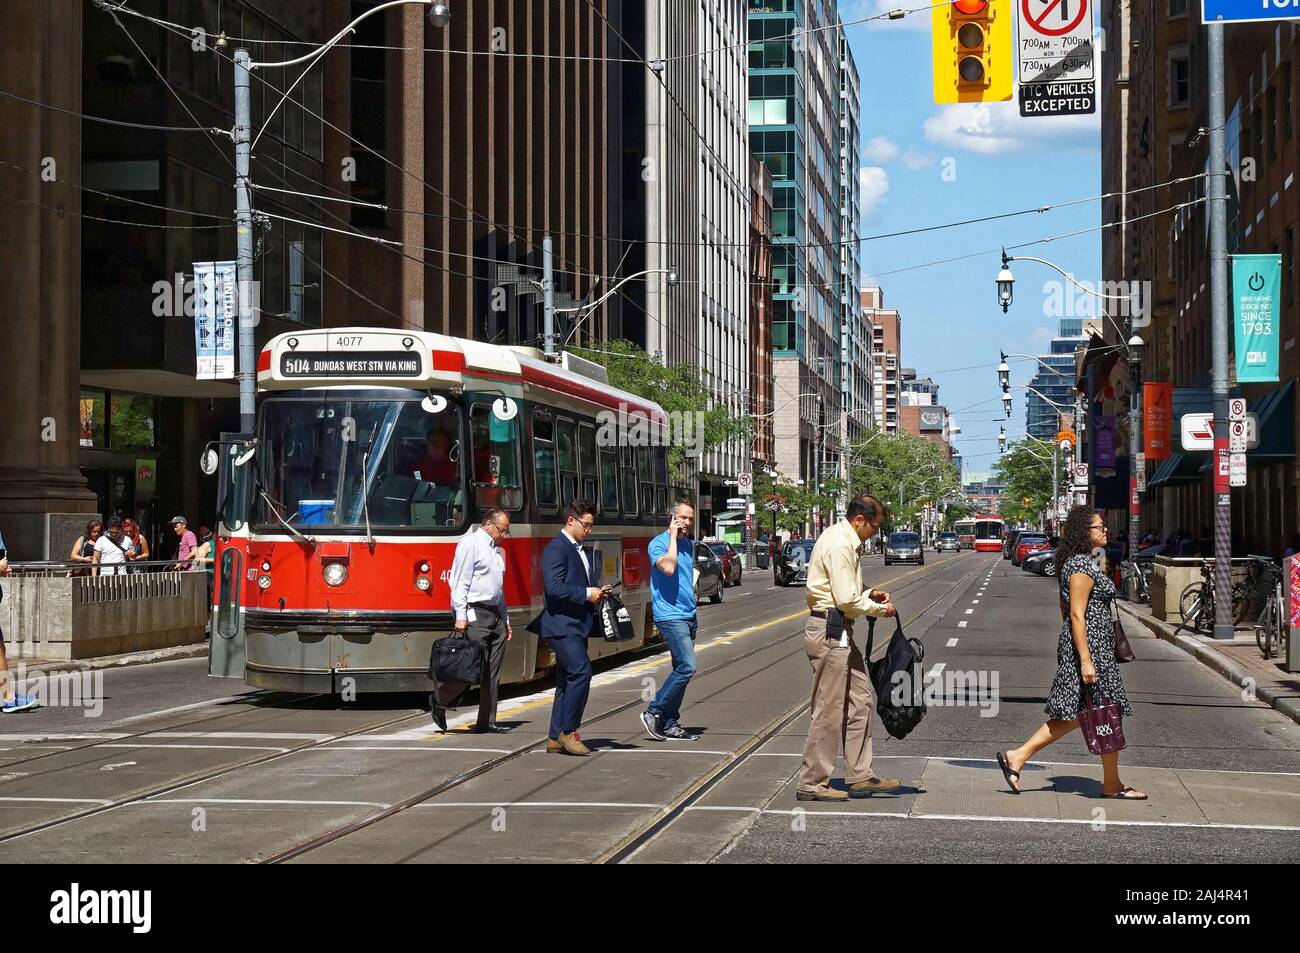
<point x="842" y="702"/>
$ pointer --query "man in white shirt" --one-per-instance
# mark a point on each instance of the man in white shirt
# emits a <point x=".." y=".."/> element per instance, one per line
<point x="110" y="550"/>
<point x="478" y="598"/>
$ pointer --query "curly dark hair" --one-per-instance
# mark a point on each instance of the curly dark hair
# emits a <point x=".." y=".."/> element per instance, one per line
<point x="1074" y="535"/>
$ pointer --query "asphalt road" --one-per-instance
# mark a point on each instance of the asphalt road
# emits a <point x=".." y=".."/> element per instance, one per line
<point x="179" y="767"/>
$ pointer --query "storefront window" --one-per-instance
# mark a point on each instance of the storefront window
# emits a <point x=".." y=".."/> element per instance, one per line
<point x="92" y="419"/>
<point x="132" y="424"/>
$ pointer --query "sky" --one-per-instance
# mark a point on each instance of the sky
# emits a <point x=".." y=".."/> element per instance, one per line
<point x="994" y="162"/>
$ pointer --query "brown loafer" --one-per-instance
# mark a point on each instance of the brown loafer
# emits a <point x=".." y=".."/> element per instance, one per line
<point x="830" y="794"/>
<point x="571" y="744"/>
<point x="874" y="786"/>
<point x="553" y="746"/>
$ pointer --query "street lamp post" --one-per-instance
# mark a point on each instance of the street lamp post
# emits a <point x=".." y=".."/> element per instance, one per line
<point x="1134" y="440"/>
<point x="246" y="375"/>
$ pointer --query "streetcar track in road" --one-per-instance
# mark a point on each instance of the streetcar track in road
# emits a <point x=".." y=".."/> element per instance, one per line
<point x="155" y="793"/>
<point x="634" y="843"/>
<point x="328" y="837"/>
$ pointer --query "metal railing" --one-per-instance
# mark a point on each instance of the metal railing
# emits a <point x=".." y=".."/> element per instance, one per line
<point x="99" y="583"/>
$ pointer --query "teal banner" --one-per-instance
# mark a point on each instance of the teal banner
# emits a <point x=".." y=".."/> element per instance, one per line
<point x="1256" y="294"/>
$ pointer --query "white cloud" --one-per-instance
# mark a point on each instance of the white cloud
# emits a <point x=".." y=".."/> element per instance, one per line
<point x="998" y="129"/>
<point x="914" y="160"/>
<point x="1039" y="337"/>
<point x="875" y="186"/>
<point x="880" y="149"/>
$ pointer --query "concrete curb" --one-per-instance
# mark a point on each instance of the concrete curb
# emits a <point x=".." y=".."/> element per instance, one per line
<point x="197" y="650"/>
<point x="1219" y="663"/>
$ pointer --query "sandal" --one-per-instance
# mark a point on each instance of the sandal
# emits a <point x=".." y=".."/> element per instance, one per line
<point x="1007" y="773"/>
<point x="1126" y="793"/>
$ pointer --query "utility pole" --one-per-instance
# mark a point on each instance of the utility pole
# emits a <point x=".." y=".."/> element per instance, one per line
<point x="247" y="370"/>
<point x="1134" y="438"/>
<point x="548" y="300"/>
<point x="1218" y="201"/>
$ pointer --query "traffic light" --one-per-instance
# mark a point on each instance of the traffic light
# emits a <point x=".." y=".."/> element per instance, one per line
<point x="972" y="51"/>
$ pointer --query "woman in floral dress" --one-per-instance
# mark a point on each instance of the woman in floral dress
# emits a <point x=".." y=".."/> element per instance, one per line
<point x="1086" y="648"/>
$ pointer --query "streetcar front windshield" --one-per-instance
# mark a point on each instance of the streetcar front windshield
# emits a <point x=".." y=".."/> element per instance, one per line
<point x="324" y="460"/>
<point x="988" y="529"/>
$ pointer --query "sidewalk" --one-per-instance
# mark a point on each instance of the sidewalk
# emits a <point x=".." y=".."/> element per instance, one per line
<point x="1239" y="661"/>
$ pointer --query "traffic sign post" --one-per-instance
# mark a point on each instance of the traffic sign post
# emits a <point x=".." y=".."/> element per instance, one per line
<point x="745" y="484"/>
<point x="1236" y="408"/>
<point x="1054" y="53"/>
<point x="1081" y="475"/>
<point x="1236" y="469"/>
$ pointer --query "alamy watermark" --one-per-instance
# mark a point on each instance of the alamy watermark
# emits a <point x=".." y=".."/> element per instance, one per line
<point x="634" y="428"/>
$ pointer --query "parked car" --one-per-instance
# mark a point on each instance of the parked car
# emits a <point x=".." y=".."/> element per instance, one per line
<point x="947" y="543"/>
<point x="791" y="563"/>
<point x="707" y="570"/>
<point x="1029" y="543"/>
<point x="1009" y="543"/>
<point x="732" y="561"/>
<point x="904" y="548"/>
<point x="1041" y="563"/>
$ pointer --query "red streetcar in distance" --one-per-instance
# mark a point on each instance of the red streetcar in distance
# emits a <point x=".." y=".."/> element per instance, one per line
<point x="988" y="534"/>
<point x="965" y="530"/>
<point x="375" y="452"/>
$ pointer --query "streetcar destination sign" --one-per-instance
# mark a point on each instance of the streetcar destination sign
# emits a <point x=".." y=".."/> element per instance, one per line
<point x="366" y="364"/>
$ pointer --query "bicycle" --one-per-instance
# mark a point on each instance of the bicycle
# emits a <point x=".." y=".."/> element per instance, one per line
<point x="1271" y="627"/>
<point x="1140" y="574"/>
<point x="1196" y="602"/>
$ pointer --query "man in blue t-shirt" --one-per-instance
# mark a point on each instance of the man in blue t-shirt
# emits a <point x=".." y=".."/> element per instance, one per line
<point x="672" y="594"/>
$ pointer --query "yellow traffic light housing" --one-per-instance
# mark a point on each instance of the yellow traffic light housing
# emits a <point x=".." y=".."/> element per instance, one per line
<point x="972" y="51"/>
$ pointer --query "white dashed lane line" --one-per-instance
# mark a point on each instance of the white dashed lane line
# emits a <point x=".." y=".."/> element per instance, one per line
<point x="951" y="643"/>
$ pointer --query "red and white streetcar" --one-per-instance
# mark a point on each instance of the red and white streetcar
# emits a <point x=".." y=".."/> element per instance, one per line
<point x="375" y="451"/>
<point x="988" y="534"/>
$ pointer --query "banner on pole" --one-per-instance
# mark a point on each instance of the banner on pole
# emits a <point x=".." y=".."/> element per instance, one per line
<point x="215" y="313"/>
<point x="1158" y="419"/>
<point x="1256" y="290"/>
<point x="1103" y="443"/>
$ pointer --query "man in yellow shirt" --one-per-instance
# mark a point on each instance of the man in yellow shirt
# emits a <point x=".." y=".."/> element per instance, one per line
<point x="842" y="697"/>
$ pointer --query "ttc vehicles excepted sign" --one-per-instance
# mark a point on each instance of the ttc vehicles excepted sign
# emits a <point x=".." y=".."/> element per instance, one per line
<point x="1055" y="58"/>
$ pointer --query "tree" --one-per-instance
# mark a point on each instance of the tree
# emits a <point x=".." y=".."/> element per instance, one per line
<point x="904" y="471"/>
<point x="679" y="391"/>
<point x="1026" y="469"/>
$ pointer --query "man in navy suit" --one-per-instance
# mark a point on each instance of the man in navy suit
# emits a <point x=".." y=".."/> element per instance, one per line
<point x="567" y="618"/>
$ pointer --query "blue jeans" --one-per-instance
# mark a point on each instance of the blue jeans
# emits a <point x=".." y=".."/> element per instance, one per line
<point x="680" y="636"/>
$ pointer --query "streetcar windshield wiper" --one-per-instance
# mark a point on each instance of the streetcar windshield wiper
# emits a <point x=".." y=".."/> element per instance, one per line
<point x="365" y="486"/>
<point x="304" y="540"/>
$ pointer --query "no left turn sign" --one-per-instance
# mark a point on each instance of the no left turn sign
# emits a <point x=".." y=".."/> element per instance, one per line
<point x="1053" y="17"/>
<point x="1054" y="44"/>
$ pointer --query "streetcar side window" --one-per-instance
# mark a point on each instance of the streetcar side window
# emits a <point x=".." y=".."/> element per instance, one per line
<point x="587" y="460"/>
<point x="629" y="481"/>
<point x="544" y="460"/>
<point x="496" y="460"/>
<point x="608" y="481"/>
<point x="567" y="448"/>
<point x="661" y="479"/>
<point x="643" y="477"/>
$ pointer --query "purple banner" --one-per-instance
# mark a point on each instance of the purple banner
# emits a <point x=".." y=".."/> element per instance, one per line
<point x="1103" y="443"/>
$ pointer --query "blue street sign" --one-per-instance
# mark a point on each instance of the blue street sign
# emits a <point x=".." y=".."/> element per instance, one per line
<point x="1248" y="11"/>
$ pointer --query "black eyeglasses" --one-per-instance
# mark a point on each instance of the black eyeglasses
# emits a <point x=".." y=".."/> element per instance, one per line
<point x="586" y="525"/>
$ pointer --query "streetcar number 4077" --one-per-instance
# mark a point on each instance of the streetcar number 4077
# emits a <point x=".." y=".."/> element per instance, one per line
<point x="353" y="340"/>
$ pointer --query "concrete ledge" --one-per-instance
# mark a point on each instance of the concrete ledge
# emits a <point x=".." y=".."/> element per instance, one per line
<point x="1278" y="698"/>
<point x="199" y="650"/>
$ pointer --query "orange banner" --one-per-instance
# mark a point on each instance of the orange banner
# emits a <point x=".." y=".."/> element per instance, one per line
<point x="1157" y="419"/>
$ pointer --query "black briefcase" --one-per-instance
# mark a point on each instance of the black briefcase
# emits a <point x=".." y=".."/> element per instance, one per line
<point x="457" y="658"/>
<point x="613" y="621"/>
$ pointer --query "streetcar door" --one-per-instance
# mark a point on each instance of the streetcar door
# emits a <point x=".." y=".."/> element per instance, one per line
<point x="226" y="651"/>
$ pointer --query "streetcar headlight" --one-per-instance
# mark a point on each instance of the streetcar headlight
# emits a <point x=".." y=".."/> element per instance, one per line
<point x="423" y="583"/>
<point x="263" y="581"/>
<point x="335" y="574"/>
<point x="266" y="566"/>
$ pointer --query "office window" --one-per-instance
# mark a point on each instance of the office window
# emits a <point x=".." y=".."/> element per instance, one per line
<point x="1177" y="8"/>
<point x="131" y="422"/>
<point x="94" y="433"/>
<point x="1180" y="77"/>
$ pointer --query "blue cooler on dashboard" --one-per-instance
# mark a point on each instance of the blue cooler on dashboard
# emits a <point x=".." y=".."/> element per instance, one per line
<point x="315" y="512"/>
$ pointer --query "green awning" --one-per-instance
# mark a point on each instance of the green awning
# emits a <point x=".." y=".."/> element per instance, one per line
<point x="1178" y="468"/>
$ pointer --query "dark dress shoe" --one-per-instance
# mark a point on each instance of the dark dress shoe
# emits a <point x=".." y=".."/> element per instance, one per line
<point x="438" y="713"/>
<point x="492" y="728"/>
